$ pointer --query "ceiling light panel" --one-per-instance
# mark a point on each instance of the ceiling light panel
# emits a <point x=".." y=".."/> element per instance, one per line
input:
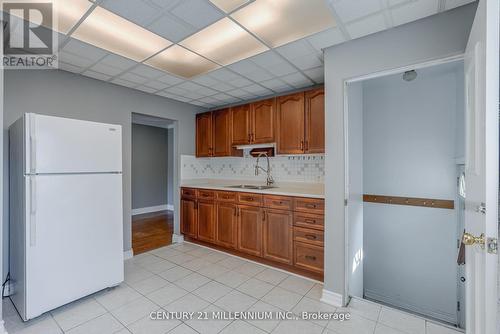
<point x="224" y="42"/>
<point x="278" y="22"/>
<point x="111" y="32"/>
<point x="182" y="62"/>
<point x="229" y="5"/>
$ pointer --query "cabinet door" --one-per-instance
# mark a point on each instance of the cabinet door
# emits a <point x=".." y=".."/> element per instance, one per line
<point x="315" y="121"/>
<point x="241" y="124"/>
<point x="263" y="121"/>
<point x="204" y="132"/>
<point x="189" y="217"/>
<point x="222" y="133"/>
<point x="206" y="220"/>
<point x="291" y="118"/>
<point x="250" y="229"/>
<point x="226" y="225"/>
<point x="278" y="236"/>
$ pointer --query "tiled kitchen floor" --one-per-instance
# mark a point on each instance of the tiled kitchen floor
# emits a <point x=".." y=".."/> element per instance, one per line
<point x="187" y="277"/>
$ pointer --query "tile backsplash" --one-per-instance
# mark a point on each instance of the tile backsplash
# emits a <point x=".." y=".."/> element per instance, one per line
<point x="299" y="168"/>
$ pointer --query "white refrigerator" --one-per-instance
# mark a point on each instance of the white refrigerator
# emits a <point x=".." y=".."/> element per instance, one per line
<point x="66" y="217"/>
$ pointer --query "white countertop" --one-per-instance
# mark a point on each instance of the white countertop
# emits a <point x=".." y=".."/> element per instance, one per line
<point x="299" y="189"/>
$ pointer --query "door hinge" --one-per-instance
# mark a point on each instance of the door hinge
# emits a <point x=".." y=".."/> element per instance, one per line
<point x="492" y="245"/>
<point x="481" y="208"/>
<point x="458" y="306"/>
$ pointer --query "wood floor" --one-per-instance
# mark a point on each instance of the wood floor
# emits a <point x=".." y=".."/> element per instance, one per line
<point x="151" y="231"/>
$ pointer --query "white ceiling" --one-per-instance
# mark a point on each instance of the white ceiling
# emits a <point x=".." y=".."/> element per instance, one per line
<point x="295" y="65"/>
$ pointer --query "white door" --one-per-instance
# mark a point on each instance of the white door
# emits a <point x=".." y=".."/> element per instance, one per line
<point x="74" y="238"/>
<point x="63" y="145"/>
<point x="481" y="204"/>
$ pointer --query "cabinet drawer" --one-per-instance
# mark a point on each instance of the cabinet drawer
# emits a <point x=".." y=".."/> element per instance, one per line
<point x="206" y="194"/>
<point x="313" y="237"/>
<point x="250" y="199"/>
<point x="278" y="202"/>
<point x="226" y="196"/>
<point x="188" y="192"/>
<point x="309" y="221"/>
<point x="308" y="257"/>
<point x="311" y="205"/>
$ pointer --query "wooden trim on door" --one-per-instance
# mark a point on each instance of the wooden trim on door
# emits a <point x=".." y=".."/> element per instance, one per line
<point x="411" y="201"/>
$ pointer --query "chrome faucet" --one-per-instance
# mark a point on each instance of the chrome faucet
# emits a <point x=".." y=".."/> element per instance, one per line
<point x="269" y="180"/>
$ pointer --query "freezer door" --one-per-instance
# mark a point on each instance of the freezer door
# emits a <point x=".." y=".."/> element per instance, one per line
<point x="62" y="145"/>
<point x="74" y="238"/>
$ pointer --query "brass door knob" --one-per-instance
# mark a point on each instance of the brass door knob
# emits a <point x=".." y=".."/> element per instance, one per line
<point x="469" y="239"/>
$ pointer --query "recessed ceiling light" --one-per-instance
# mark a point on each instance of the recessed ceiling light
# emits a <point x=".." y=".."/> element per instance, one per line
<point x="111" y="32"/>
<point x="182" y="62"/>
<point x="229" y="5"/>
<point x="278" y="22"/>
<point x="224" y="42"/>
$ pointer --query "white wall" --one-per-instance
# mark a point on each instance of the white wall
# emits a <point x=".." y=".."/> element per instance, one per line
<point x="434" y="37"/>
<point x="70" y="95"/>
<point x="409" y="141"/>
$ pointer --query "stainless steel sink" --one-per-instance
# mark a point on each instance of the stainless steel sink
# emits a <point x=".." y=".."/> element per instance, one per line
<point x="248" y="186"/>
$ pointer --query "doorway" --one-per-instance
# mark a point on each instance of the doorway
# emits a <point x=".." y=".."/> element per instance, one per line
<point x="406" y="135"/>
<point x="152" y="182"/>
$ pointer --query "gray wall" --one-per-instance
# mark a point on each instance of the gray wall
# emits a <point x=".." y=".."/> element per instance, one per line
<point x="170" y="167"/>
<point x="149" y="166"/>
<point x="61" y="93"/>
<point x="428" y="39"/>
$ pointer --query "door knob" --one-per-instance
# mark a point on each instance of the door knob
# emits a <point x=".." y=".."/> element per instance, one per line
<point x="469" y="239"/>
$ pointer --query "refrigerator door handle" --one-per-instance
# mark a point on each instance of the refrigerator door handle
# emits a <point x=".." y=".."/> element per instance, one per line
<point x="32" y="145"/>
<point x="32" y="211"/>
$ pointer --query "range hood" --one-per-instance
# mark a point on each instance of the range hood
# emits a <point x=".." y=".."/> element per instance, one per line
<point x="252" y="146"/>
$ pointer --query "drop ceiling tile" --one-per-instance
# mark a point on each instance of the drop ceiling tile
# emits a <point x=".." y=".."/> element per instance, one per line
<point x="297" y="80"/>
<point x="133" y="78"/>
<point x="193" y="95"/>
<point x="156" y="84"/>
<point x="224" y="75"/>
<point x="222" y="87"/>
<point x="69" y="67"/>
<point x="75" y="60"/>
<point x="210" y="100"/>
<point x="413" y="11"/>
<point x="118" y="61"/>
<point x="296" y="49"/>
<point x="125" y="83"/>
<point x="84" y="50"/>
<point x="240" y="82"/>
<point x="366" y="26"/>
<point x="222" y="97"/>
<point x="240" y="93"/>
<point x="244" y="66"/>
<point x="147" y="72"/>
<point x="349" y="10"/>
<point x="146" y="89"/>
<point x="167" y="94"/>
<point x="106" y="69"/>
<point x="276" y="85"/>
<point x="205" y="80"/>
<point x="307" y="62"/>
<point x="165" y="3"/>
<point x="207" y="91"/>
<point x="317" y="74"/>
<point x="190" y="86"/>
<point x="257" y="90"/>
<point x="450" y="4"/>
<point x="198" y="13"/>
<point x="182" y="99"/>
<point x="170" y="79"/>
<point x="267" y="59"/>
<point x="171" y="28"/>
<point x="200" y="104"/>
<point x="96" y="75"/>
<point x="137" y="11"/>
<point x="259" y="75"/>
<point x="176" y="90"/>
<point x="326" y="38"/>
<point x="229" y="5"/>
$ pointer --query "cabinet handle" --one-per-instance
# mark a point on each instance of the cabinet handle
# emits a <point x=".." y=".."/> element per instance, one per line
<point x="307" y="145"/>
<point x="249" y="138"/>
<point x="301" y="145"/>
<point x="310" y="237"/>
<point x="277" y="202"/>
<point x="310" y="221"/>
<point x="235" y="211"/>
<point x="310" y="257"/>
<point x="249" y="199"/>
<point x="311" y="206"/>
<point x="253" y="137"/>
<point x="264" y="215"/>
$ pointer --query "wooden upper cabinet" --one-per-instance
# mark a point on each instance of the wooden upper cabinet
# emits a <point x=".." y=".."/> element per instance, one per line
<point x="291" y="123"/>
<point x="315" y="121"/>
<point x="204" y="135"/>
<point x="226" y="232"/>
<point x="278" y="236"/>
<point x="206" y="220"/>
<point x="189" y="217"/>
<point x="222" y="133"/>
<point x="241" y="124"/>
<point x="263" y="116"/>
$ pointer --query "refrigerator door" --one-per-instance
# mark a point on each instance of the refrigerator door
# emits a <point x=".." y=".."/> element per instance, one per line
<point x="60" y="145"/>
<point x="74" y="238"/>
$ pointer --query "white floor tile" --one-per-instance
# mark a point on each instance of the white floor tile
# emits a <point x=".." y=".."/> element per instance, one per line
<point x="43" y="324"/>
<point x="272" y="276"/>
<point x="195" y="264"/>
<point x="188" y="303"/>
<point x="297" y="284"/>
<point x="135" y="273"/>
<point x="311" y="305"/>
<point x="235" y="301"/>
<point x="266" y="325"/>
<point x="232" y="279"/>
<point x="105" y="324"/>
<point x="213" y="271"/>
<point x="200" y="252"/>
<point x="181" y="259"/>
<point x="355" y="325"/>
<point x="116" y="297"/>
<point x="250" y="269"/>
<point x="297" y="327"/>
<point x="212" y="291"/>
<point x="402" y="321"/>
<point x="282" y="298"/>
<point x="183" y="329"/>
<point x="192" y="281"/>
<point x="209" y="326"/>
<point x="185" y="247"/>
<point x="433" y="328"/>
<point x="148" y="326"/>
<point x="316" y="292"/>
<point x="383" y="329"/>
<point x="159" y="266"/>
<point x="167" y="294"/>
<point x="175" y="273"/>
<point x="134" y="311"/>
<point x="215" y="257"/>
<point x="77" y="313"/>
<point x="255" y="288"/>
<point x="231" y="262"/>
<point x="166" y="252"/>
<point x="241" y="327"/>
<point x="145" y="259"/>
<point x="149" y="285"/>
<point x="365" y="309"/>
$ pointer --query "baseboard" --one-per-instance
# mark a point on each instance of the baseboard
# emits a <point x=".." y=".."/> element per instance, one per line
<point x="332" y="298"/>
<point x="170" y="207"/>
<point x="128" y="254"/>
<point x="177" y="238"/>
<point x="150" y="209"/>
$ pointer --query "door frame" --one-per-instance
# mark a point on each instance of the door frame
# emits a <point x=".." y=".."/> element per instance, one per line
<point x="346" y="83"/>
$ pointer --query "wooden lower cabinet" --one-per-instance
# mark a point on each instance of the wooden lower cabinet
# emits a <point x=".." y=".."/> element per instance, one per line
<point x="226" y="234"/>
<point x="189" y="217"/>
<point x="278" y="236"/>
<point x="250" y="220"/>
<point x="309" y="257"/>
<point x="206" y="220"/>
